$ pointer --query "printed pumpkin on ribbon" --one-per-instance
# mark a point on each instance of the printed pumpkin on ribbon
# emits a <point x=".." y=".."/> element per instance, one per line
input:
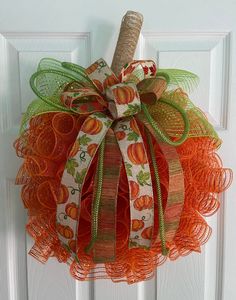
<point x="92" y="68"/>
<point x="134" y="126"/>
<point x="143" y="202"/>
<point x="65" y="231"/>
<point x="120" y="135"/>
<point x="92" y="126"/>
<point x="92" y="149"/>
<point x="124" y="94"/>
<point x="98" y="85"/>
<point x="72" y="210"/>
<point x="147" y="233"/>
<point x="110" y="81"/>
<point x="137" y="225"/>
<point x="75" y="149"/>
<point x="134" y="189"/>
<point x="136" y="154"/>
<point x="63" y="194"/>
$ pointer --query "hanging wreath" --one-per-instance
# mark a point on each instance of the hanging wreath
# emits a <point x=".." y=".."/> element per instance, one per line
<point x="120" y="167"/>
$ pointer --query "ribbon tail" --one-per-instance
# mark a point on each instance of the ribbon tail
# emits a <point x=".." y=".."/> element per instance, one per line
<point x="88" y="140"/>
<point x="175" y="199"/>
<point x="162" y="232"/>
<point x="104" y="219"/>
<point x="139" y="180"/>
<point x="96" y="197"/>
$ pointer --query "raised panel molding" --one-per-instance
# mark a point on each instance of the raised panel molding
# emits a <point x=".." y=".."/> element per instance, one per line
<point x="205" y="53"/>
<point x="19" y="55"/>
<point x="13" y="248"/>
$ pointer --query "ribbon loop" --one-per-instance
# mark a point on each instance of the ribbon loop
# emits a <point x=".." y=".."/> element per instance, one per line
<point x="101" y="75"/>
<point x="138" y="70"/>
<point x="151" y="89"/>
<point x="83" y="101"/>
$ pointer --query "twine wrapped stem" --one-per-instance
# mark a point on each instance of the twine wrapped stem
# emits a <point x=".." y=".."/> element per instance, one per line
<point x="127" y="41"/>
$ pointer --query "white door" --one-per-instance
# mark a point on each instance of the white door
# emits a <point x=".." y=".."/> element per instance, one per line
<point x="195" y="35"/>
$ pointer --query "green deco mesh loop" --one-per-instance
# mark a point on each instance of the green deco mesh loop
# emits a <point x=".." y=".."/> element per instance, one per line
<point x="159" y="132"/>
<point x="48" y="83"/>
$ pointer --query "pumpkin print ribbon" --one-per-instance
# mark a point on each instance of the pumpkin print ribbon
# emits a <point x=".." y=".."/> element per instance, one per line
<point x="89" y="138"/>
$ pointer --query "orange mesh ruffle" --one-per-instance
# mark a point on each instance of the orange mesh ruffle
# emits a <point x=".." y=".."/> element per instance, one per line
<point x="45" y="147"/>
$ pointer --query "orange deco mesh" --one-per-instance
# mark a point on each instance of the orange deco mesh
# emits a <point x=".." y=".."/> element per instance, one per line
<point x="49" y="142"/>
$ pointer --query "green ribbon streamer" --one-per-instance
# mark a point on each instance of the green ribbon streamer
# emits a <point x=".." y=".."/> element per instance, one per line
<point x="96" y="202"/>
<point x="159" y="196"/>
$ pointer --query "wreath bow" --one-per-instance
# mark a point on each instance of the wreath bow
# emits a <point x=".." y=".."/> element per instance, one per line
<point x="113" y="107"/>
<point x="113" y="103"/>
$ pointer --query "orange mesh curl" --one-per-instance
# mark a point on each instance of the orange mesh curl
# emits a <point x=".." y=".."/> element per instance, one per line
<point x="45" y="147"/>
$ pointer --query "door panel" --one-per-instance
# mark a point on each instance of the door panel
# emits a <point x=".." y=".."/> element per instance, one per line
<point x="193" y="35"/>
